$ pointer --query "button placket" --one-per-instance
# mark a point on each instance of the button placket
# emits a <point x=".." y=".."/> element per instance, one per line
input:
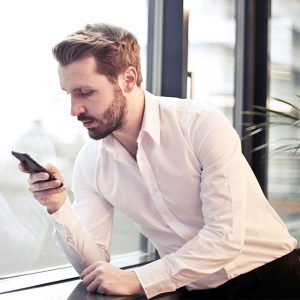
<point x="151" y="184"/>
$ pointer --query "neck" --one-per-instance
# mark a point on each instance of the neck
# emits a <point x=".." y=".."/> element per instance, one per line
<point x="127" y="136"/>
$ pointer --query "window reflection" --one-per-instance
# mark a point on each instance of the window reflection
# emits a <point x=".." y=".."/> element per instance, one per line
<point x="35" y="119"/>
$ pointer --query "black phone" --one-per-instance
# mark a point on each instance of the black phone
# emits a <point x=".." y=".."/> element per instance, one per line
<point x="31" y="164"/>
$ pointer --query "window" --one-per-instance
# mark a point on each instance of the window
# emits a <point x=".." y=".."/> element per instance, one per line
<point x="212" y="37"/>
<point x="35" y="119"/>
<point x="284" y="166"/>
<point x="211" y="52"/>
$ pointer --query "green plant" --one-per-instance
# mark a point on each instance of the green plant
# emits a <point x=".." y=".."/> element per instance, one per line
<point x="286" y="115"/>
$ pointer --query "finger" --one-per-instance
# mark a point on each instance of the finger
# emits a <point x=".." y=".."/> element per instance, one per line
<point x="88" y="279"/>
<point x="44" y="196"/>
<point x="45" y="185"/>
<point x="100" y="290"/>
<point x="36" y="177"/>
<point x="95" y="286"/>
<point x="22" y="167"/>
<point x="88" y="270"/>
<point x="51" y="168"/>
<point x="54" y="171"/>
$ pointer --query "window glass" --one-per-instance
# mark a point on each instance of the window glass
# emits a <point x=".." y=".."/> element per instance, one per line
<point x="284" y="165"/>
<point x="211" y="32"/>
<point x="35" y="119"/>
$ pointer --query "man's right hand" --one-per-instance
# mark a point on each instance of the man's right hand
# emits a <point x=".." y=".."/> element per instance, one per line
<point x="48" y="193"/>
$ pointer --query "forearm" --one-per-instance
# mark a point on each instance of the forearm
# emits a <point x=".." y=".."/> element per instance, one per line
<point x="79" y="246"/>
<point x="194" y="263"/>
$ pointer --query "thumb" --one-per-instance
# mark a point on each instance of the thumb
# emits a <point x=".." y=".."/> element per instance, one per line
<point x="54" y="171"/>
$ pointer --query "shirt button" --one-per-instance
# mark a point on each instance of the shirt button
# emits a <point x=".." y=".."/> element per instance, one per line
<point x="69" y="240"/>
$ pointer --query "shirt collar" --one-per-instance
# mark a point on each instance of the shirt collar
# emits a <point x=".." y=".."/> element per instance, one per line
<point x="151" y="121"/>
<point x="150" y="124"/>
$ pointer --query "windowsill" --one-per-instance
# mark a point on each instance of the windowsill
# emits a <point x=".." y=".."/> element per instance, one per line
<point x="74" y="290"/>
<point x="64" y="273"/>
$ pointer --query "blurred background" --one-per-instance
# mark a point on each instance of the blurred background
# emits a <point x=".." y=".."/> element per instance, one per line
<point x="35" y="114"/>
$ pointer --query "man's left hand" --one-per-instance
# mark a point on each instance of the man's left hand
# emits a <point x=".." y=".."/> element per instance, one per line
<point x="103" y="278"/>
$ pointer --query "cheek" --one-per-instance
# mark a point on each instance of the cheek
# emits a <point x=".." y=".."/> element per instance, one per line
<point x="96" y="108"/>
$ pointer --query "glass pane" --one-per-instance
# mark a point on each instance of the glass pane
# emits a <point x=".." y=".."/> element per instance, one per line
<point x="211" y="52"/>
<point x="35" y="119"/>
<point x="284" y="164"/>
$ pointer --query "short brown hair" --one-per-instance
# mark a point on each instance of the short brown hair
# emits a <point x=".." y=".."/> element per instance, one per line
<point x="114" y="48"/>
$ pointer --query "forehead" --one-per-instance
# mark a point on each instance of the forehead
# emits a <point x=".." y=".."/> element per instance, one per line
<point x="78" y="73"/>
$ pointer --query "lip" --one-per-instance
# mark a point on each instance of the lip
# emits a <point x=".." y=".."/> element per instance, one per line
<point x="88" y="123"/>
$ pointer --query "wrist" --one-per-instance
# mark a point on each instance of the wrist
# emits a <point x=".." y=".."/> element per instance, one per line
<point x="54" y="208"/>
<point x="138" y="289"/>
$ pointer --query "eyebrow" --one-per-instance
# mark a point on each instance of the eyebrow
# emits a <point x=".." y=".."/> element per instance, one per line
<point x="78" y="88"/>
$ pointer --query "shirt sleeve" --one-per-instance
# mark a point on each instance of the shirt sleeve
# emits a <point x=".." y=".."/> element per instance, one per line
<point x="83" y="229"/>
<point x="224" y="205"/>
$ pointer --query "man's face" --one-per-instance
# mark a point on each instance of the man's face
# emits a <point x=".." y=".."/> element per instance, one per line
<point x="98" y="103"/>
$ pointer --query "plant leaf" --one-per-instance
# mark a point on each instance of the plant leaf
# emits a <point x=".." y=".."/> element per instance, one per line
<point x="287" y="103"/>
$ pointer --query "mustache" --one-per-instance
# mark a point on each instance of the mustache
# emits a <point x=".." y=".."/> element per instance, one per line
<point x="83" y="118"/>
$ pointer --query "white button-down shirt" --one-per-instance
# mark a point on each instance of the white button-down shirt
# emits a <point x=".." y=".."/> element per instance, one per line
<point x="190" y="191"/>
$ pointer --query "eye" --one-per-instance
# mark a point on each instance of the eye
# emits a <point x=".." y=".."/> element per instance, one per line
<point x="86" y="93"/>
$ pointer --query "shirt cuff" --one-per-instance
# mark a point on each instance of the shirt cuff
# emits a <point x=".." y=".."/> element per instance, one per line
<point x="65" y="215"/>
<point x="155" y="279"/>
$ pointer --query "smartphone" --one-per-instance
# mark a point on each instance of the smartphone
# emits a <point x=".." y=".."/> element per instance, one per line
<point x="31" y="164"/>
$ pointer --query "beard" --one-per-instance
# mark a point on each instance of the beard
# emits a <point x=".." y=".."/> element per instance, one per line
<point x="112" y="119"/>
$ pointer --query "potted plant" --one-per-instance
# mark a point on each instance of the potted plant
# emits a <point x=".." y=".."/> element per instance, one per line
<point x="282" y="123"/>
<point x="281" y="114"/>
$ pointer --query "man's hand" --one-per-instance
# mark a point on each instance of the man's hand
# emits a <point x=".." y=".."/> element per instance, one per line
<point x="48" y="193"/>
<point x="103" y="278"/>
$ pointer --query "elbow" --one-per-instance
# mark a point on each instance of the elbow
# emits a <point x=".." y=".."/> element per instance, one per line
<point x="230" y="242"/>
<point x="234" y="242"/>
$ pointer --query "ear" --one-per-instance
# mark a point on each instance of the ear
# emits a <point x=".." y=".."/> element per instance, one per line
<point x="129" y="79"/>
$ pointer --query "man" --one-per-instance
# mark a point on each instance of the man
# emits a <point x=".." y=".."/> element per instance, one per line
<point x="175" y="167"/>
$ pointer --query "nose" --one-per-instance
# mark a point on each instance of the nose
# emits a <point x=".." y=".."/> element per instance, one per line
<point x="77" y="107"/>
